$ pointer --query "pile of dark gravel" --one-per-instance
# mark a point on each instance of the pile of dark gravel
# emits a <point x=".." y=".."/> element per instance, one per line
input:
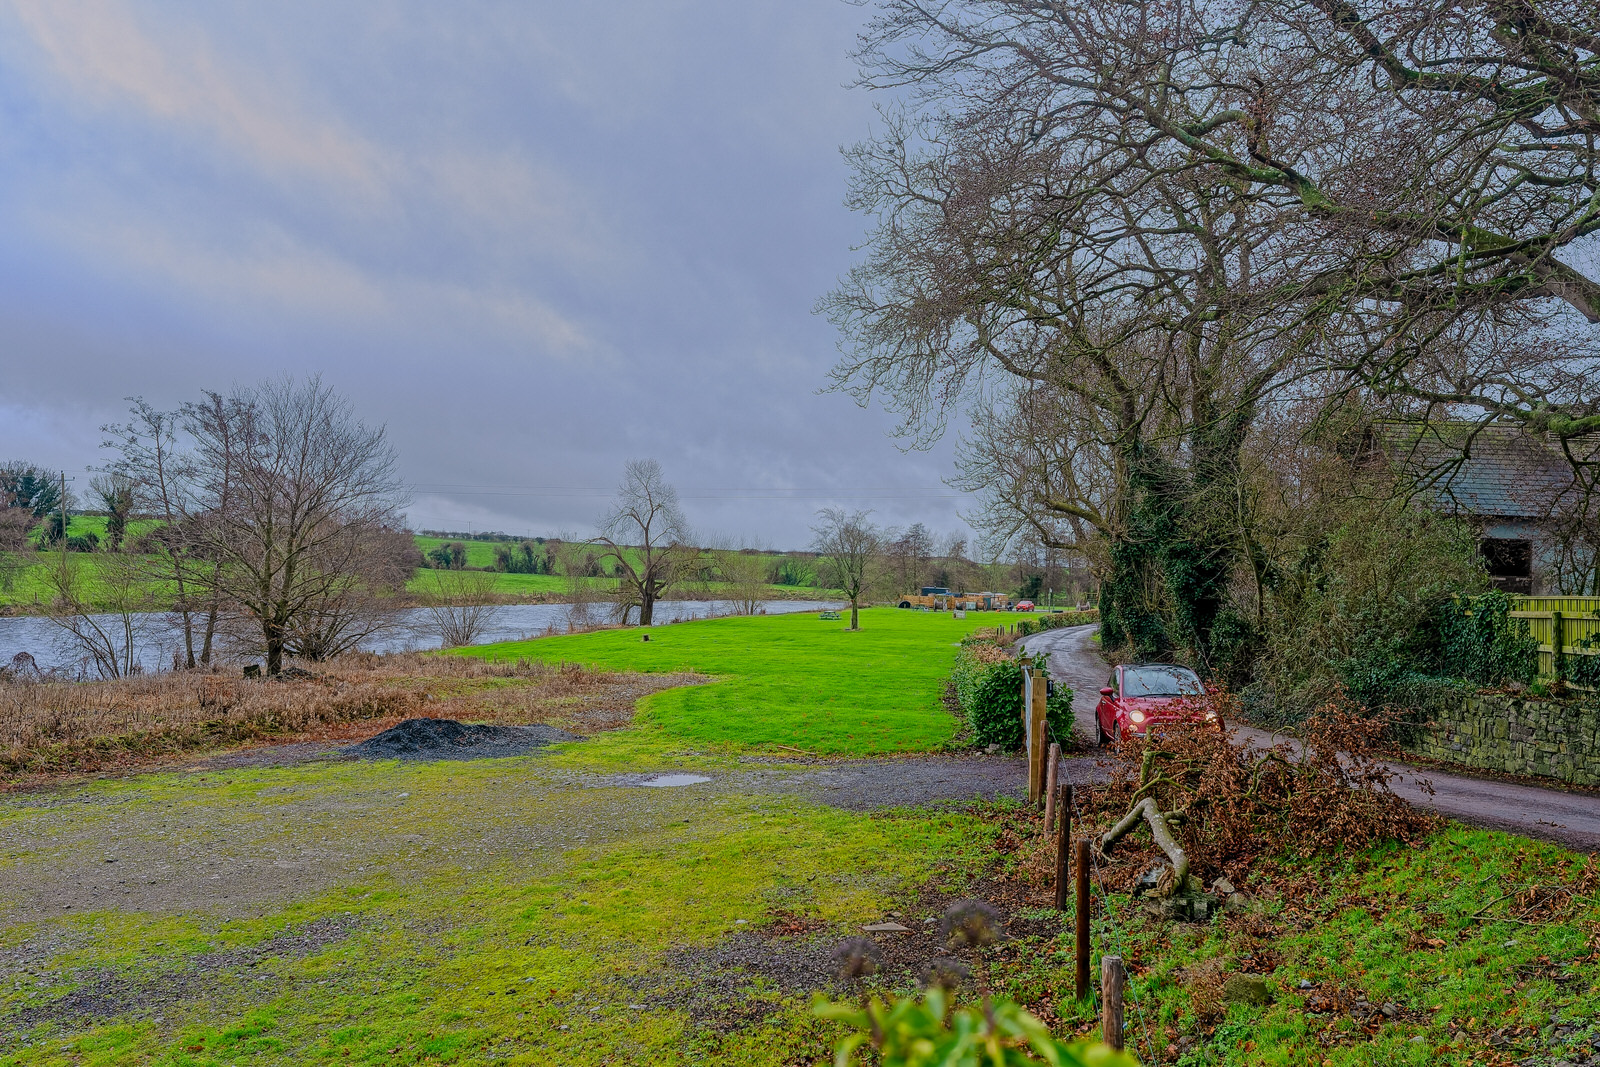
<point x="448" y="739"/>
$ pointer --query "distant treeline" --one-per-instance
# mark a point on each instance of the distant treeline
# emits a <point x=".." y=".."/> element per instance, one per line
<point x="494" y="535"/>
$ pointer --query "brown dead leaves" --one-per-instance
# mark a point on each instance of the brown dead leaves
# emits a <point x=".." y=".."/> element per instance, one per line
<point x="1235" y="802"/>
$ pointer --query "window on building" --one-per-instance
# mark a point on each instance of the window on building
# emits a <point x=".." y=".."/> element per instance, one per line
<point x="1510" y="563"/>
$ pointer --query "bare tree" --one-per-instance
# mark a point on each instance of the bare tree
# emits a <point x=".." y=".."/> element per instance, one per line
<point x="105" y="632"/>
<point x="292" y="489"/>
<point x="14" y="526"/>
<point x="152" y="462"/>
<point x="1146" y="224"/>
<point x="647" y="537"/>
<point x="114" y="492"/>
<point x="849" y="547"/>
<point x="742" y="572"/>
<point x="460" y="604"/>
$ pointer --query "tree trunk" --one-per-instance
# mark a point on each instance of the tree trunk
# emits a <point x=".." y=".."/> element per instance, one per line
<point x="211" y="630"/>
<point x="647" y="608"/>
<point x="274" y="642"/>
<point x="855" y="614"/>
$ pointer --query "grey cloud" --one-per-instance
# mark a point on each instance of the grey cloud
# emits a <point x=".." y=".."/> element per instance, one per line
<point x="536" y="240"/>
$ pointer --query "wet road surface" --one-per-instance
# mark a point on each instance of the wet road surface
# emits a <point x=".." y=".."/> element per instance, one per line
<point x="1572" y="819"/>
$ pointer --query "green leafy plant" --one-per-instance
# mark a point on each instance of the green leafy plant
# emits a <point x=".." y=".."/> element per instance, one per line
<point x="926" y="1033"/>
<point x="1584" y="671"/>
<point x="988" y="685"/>
<point x="1482" y="643"/>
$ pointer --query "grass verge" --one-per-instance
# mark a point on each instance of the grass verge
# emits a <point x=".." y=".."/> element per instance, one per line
<point x="1471" y="947"/>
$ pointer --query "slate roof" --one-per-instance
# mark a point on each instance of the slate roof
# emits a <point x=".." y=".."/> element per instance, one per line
<point x="1485" y="471"/>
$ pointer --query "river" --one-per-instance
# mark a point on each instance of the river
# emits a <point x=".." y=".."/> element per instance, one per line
<point x="157" y="638"/>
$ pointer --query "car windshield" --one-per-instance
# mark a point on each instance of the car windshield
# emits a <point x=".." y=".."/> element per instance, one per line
<point x="1160" y="681"/>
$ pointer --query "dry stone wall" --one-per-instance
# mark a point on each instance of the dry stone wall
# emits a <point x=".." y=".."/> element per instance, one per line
<point x="1519" y="735"/>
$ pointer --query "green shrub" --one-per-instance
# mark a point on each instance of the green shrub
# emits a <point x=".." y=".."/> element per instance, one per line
<point x="988" y="685"/>
<point x="1058" y="707"/>
<point x="925" y="1033"/>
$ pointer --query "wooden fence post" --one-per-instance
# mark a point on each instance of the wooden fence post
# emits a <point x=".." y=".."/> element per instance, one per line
<point x="1029" y="683"/>
<point x="1081" y="919"/>
<point x="1558" y="646"/>
<point x="1063" y="839"/>
<point x="1112" y="980"/>
<point x="1052" y="760"/>
<point x="1036" y="743"/>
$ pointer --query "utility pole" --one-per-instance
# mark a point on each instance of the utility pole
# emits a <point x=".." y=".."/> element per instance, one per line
<point x="63" y="520"/>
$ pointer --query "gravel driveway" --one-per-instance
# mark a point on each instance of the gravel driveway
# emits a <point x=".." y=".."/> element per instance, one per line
<point x="1571" y="819"/>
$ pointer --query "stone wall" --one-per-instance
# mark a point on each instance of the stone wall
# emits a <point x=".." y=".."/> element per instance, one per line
<point x="1519" y="735"/>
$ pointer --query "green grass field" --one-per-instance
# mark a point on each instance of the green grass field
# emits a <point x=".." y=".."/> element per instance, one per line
<point x="792" y="680"/>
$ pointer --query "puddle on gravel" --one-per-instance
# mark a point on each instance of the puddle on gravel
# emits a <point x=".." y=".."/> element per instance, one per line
<point x="667" y="780"/>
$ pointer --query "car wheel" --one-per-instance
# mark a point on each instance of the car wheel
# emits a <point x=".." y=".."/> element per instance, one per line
<point x="1100" y="732"/>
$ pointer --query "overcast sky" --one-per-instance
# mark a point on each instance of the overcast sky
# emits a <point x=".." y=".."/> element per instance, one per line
<point x="535" y="239"/>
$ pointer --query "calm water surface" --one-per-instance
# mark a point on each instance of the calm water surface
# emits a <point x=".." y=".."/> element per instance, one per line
<point x="157" y="639"/>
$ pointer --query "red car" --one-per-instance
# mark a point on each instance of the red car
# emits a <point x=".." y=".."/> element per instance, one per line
<point x="1142" y="695"/>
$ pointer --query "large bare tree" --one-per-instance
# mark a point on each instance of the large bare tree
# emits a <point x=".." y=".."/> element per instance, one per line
<point x="297" y="487"/>
<point x="1147" y="223"/>
<point x="278" y="516"/>
<point x="646" y="537"/>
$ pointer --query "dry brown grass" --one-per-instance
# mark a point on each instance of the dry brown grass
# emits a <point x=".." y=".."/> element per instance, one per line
<point x="49" y="728"/>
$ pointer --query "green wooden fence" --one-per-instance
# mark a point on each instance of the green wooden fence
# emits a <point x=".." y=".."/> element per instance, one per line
<point x="1560" y="624"/>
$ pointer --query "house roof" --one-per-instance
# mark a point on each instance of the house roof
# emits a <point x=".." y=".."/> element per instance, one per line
<point x="1494" y="471"/>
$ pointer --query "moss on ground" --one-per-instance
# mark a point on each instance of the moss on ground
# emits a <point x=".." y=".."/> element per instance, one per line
<point x="454" y="927"/>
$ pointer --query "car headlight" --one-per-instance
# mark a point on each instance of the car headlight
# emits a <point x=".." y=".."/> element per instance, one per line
<point x="1136" y="716"/>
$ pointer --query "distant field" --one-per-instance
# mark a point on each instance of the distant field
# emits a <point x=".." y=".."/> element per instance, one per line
<point x="30" y="585"/>
<point x="82" y="525"/>
<point x="793" y="680"/>
<point x="423" y="582"/>
<point x="30" y="588"/>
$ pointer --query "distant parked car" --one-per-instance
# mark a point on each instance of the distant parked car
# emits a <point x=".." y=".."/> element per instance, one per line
<point x="1142" y="695"/>
<point x="1024" y="605"/>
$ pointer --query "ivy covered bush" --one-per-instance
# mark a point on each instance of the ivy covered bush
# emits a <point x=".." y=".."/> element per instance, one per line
<point x="1480" y="642"/>
<point x="1584" y="671"/>
<point x="988" y="685"/>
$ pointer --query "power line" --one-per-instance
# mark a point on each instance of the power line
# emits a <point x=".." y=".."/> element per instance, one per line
<point x="698" y="492"/>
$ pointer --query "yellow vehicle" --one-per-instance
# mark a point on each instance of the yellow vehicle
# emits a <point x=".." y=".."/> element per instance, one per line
<point x="935" y="598"/>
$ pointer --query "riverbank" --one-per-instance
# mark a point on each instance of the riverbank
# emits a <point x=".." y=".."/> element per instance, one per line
<point x="157" y="637"/>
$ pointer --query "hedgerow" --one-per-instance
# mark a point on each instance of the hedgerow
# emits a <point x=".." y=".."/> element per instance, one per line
<point x="988" y="684"/>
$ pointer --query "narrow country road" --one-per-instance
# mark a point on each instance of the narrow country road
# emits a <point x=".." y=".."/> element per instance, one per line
<point x="1572" y="819"/>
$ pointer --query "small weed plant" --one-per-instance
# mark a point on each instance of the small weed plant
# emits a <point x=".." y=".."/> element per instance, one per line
<point x="925" y="1032"/>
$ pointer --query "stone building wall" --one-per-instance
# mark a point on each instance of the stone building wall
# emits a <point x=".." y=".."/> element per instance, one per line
<point x="1519" y="735"/>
